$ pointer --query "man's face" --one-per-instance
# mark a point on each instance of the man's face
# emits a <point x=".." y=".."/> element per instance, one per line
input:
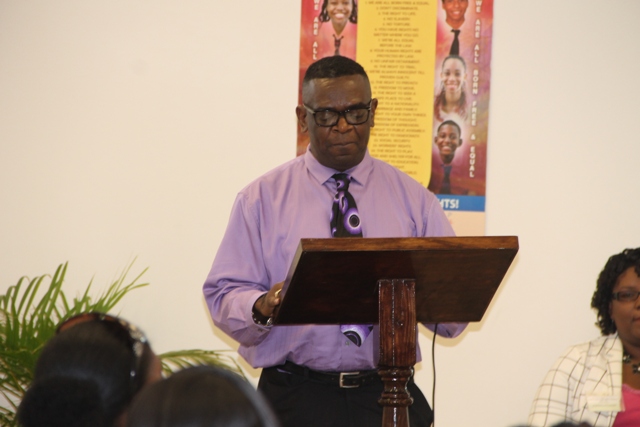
<point x="448" y="140"/>
<point x="455" y="10"/>
<point x="342" y="146"/>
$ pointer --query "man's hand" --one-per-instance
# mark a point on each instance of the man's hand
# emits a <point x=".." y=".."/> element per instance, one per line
<point x="269" y="301"/>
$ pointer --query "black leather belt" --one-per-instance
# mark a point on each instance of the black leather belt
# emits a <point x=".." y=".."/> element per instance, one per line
<point x="341" y="379"/>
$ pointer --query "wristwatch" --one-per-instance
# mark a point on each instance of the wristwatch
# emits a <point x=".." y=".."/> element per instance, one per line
<point x="259" y="318"/>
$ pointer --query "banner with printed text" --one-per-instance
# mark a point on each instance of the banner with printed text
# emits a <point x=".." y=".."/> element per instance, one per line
<point x="429" y="63"/>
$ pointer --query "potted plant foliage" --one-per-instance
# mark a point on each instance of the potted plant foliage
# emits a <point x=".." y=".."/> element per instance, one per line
<point x="29" y="314"/>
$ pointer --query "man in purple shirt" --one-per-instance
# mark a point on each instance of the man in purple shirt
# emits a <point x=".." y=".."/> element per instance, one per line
<point x="302" y="364"/>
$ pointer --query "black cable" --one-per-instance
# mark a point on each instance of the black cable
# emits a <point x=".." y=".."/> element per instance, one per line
<point x="433" y="367"/>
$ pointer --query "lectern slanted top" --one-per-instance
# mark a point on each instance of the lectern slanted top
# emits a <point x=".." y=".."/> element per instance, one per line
<point x="335" y="281"/>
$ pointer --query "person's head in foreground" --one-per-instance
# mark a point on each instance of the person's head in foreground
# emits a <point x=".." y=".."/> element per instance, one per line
<point x="88" y="373"/>
<point x="201" y="396"/>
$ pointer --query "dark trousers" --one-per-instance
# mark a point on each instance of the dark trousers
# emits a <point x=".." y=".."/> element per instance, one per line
<point x="302" y="402"/>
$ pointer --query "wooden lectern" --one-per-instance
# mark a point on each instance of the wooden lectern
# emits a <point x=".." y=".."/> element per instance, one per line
<point x="395" y="282"/>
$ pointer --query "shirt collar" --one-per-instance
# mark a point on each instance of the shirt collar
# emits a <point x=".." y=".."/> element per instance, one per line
<point x="359" y="173"/>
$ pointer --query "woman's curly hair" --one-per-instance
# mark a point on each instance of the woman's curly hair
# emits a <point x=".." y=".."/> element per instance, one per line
<point x="601" y="300"/>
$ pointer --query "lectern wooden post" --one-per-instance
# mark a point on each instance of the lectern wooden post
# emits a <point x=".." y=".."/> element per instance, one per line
<point x="397" y="302"/>
<point x="396" y="282"/>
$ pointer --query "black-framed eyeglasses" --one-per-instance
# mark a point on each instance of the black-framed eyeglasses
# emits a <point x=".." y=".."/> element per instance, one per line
<point x="626" y="296"/>
<point x="329" y="117"/>
<point x="129" y="334"/>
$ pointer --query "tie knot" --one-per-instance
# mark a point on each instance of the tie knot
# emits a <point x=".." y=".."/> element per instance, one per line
<point x="342" y="181"/>
<point x="456" y="32"/>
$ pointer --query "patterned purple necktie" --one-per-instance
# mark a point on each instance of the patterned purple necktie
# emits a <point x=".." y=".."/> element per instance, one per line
<point x="345" y="222"/>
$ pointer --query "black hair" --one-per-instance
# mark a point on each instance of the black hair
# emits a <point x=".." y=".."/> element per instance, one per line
<point x="62" y="402"/>
<point x="458" y="57"/>
<point x="324" y="15"/>
<point x="452" y="123"/>
<point x="89" y="356"/>
<point x="602" y="297"/>
<point x="332" y="67"/>
<point x="198" y="397"/>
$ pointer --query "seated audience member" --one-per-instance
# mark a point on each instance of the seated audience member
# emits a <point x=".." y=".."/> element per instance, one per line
<point x="88" y="373"/>
<point x="201" y="396"/>
<point x="598" y="382"/>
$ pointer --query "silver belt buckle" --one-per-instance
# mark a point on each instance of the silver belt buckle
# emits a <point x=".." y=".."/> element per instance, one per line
<point x="342" y="375"/>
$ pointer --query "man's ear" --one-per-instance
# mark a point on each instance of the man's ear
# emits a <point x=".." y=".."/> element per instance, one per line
<point x="301" y="113"/>
<point x="374" y="105"/>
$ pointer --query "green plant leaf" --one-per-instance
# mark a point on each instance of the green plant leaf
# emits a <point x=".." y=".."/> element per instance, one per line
<point x="28" y="318"/>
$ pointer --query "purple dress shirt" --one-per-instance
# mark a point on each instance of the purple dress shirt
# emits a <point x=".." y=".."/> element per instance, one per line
<point x="268" y="219"/>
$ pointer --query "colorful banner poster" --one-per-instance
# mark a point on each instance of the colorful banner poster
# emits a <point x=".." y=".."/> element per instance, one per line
<point x="429" y="66"/>
<point x="327" y="27"/>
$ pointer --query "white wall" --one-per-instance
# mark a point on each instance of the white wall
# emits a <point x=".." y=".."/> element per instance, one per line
<point x="126" y="129"/>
